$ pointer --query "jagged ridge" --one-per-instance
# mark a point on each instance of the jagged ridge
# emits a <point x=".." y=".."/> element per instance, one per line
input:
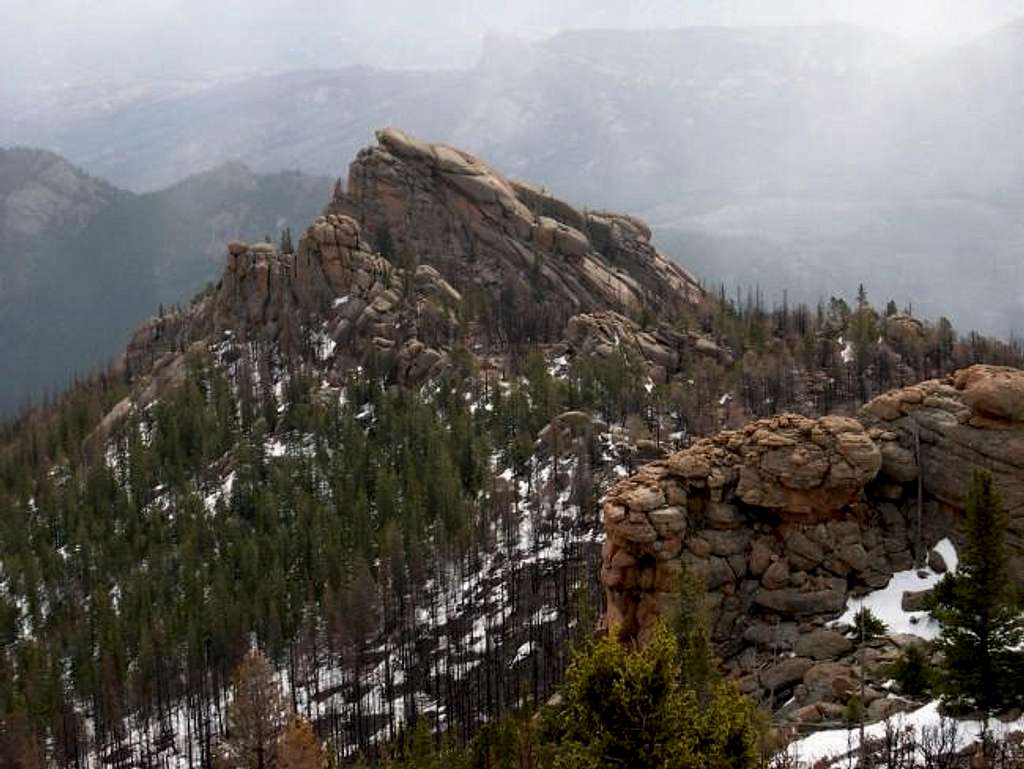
<point x="429" y="248"/>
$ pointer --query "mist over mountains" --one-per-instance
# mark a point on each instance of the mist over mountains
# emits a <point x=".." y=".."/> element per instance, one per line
<point x="82" y="262"/>
<point x="807" y="159"/>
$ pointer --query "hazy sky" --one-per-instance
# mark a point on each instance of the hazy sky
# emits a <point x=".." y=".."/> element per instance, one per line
<point x="75" y="40"/>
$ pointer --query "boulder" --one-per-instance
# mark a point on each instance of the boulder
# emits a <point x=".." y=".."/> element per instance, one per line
<point x="785" y="674"/>
<point x="898" y="463"/>
<point x="936" y="562"/>
<point x="761" y="556"/>
<point x="886" y="707"/>
<point x="776" y="576"/>
<point x="801" y="551"/>
<point x="993" y="391"/>
<point x="797" y="602"/>
<point x="823" y="644"/>
<point x="915" y="600"/>
<point x="806" y="469"/>
<point x="830" y="681"/>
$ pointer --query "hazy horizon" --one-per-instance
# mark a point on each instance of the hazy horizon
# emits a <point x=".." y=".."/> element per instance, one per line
<point x="67" y="42"/>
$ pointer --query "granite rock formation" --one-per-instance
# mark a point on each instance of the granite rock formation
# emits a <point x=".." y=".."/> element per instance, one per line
<point x="516" y="241"/>
<point x="789" y="516"/>
<point x="428" y="249"/>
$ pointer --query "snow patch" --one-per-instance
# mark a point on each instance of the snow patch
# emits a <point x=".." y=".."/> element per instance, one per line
<point x="886" y="604"/>
<point x="833" y="743"/>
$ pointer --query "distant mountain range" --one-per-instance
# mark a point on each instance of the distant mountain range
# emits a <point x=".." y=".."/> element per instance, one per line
<point x="806" y="158"/>
<point x="82" y="262"/>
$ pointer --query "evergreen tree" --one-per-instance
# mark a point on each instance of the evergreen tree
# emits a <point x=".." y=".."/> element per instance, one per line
<point x="385" y="243"/>
<point x="982" y="623"/>
<point x="626" y="706"/>
<point x="256" y="716"/>
<point x="286" y="241"/>
<point x="697" y="666"/>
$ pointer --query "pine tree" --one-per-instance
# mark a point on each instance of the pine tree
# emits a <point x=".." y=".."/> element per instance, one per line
<point x="982" y="623"/>
<point x="286" y="241"/>
<point x="697" y="666"/>
<point x="256" y="716"/>
<point x="299" y="747"/>
<point x="385" y="243"/>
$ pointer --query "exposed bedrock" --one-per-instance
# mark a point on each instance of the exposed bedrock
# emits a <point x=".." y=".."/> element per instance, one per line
<point x="789" y="516"/>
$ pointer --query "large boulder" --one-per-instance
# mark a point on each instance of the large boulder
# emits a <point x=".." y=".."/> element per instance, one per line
<point x="806" y="468"/>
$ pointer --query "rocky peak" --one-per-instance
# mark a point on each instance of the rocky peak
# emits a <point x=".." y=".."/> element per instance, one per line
<point x="430" y="247"/>
<point x="447" y="208"/>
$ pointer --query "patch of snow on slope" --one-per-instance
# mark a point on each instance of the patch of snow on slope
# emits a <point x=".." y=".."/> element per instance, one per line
<point x="522" y="653"/>
<point x="224" y="492"/>
<point x="886" y="603"/>
<point x="838" y="742"/>
<point x="847" y="352"/>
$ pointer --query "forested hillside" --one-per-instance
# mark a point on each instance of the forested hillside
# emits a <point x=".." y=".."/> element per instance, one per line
<point x="377" y="457"/>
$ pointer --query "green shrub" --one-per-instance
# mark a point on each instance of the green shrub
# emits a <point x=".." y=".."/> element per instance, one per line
<point x="626" y="706"/>
<point x="913" y="671"/>
<point x="867" y="626"/>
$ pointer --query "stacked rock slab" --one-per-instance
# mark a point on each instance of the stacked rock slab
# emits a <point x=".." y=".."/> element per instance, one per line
<point x="479" y="228"/>
<point x="769" y="515"/>
<point x="787" y="517"/>
<point x="974" y="418"/>
<point x="333" y="283"/>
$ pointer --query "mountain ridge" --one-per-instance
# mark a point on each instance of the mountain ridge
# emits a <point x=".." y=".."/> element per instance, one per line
<point x="377" y="453"/>
<point x="82" y="262"/>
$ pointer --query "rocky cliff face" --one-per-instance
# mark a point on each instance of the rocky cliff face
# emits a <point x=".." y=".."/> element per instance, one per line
<point x="534" y="252"/>
<point x="788" y="517"/>
<point x="333" y="300"/>
<point x="974" y="418"/>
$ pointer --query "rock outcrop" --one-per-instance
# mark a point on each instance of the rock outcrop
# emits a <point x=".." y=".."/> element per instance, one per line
<point x="334" y="292"/>
<point x="430" y="247"/>
<point x="942" y="429"/>
<point x="769" y="514"/>
<point x="657" y="350"/>
<point x="787" y="517"/>
<point x="447" y="208"/>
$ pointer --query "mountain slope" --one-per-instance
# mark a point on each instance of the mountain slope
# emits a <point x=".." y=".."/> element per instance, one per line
<point x="378" y="456"/>
<point x="81" y="263"/>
